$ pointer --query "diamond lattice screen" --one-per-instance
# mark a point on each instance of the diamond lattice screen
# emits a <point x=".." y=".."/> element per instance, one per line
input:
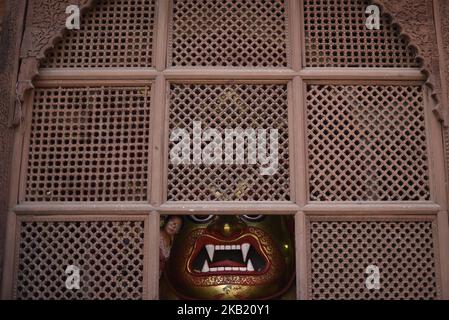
<point x="114" y="33"/>
<point x="404" y="252"/>
<point x="109" y="254"/>
<point x="89" y="144"/>
<point x="229" y="33"/>
<point x="336" y="36"/>
<point x="222" y="107"/>
<point x="366" y="143"/>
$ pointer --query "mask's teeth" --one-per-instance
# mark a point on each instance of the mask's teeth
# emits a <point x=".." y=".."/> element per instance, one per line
<point x="205" y="267"/>
<point x="245" y="249"/>
<point x="249" y="266"/>
<point x="210" y="251"/>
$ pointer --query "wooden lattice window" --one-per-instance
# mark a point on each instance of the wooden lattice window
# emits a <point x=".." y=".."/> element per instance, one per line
<point x="403" y="250"/>
<point x="336" y="36"/>
<point x="247" y="107"/>
<point x="371" y="139"/>
<point x="115" y="33"/>
<point x="89" y="144"/>
<point x="359" y="151"/>
<point x="246" y="33"/>
<point x="109" y="253"/>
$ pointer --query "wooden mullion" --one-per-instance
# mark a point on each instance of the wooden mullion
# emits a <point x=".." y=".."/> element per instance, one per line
<point x="76" y="75"/>
<point x="301" y="186"/>
<point x="152" y="256"/>
<point x="228" y="74"/>
<point x="72" y="74"/>
<point x="435" y="153"/>
<point x="21" y="153"/>
<point x="229" y="208"/>
<point x="162" y="22"/>
<point x="9" y="262"/>
<point x="302" y="256"/>
<point x="373" y="208"/>
<point x="66" y="83"/>
<point x="294" y="30"/>
<point x="157" y="152"/>
<point x="80" y="208"/>
<point x="438" y="191"/>
<point x="292" y="141"/>
<point x="362" y="74"/>
<point x="300" y="141"/>
<point x="302" y="34"/>
<point x="442" y="242"/>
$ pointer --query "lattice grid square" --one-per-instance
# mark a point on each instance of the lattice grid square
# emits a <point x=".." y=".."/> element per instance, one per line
<point x="336" y="36"/>
<point x="404" y="252"/>
<point x="89" y="144"/>
<point x="229" y="33"/>
<point x="219" y="106"/>
<point x="367" y="143"/>
<point x="109" y="254"/>
<point x="114" y="33"/>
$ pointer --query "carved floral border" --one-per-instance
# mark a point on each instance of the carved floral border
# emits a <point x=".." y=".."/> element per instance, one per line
<point x="415" y="19"/>
<point x="45" y="25"/>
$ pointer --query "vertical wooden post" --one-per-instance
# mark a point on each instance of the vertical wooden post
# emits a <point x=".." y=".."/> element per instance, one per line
<point x="443" y="241"/>
<point x="157" y="151"/>
<point x="440" y="12"/>
<point x="300" y="187"/>
<point x="158" y="138"/>
<point x="152" y="256"/>
<point x="301" y="256"/>
<point x="162" y="34"/>
<point x="294" y="29"/>
<point x="300" y="149"/>
<point x="11" y="37"/>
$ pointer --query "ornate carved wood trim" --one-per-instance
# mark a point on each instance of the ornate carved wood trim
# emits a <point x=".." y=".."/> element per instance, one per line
<point x="442" y="28"/>
<point x="415" y="19"/>
<point x="44" y="27"/>
<point x="441" y="12"/>
<point x="46" y="24"/>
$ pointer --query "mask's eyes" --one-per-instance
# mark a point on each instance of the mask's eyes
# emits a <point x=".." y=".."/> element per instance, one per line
<point x="253" y="218"/>
<point x="201" y="219"/>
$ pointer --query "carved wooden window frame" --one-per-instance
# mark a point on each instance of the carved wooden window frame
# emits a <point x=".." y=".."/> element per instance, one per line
<point x="297" y="76"/>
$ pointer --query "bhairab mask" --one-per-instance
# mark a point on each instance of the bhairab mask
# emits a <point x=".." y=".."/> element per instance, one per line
<point x="230" y="257"/>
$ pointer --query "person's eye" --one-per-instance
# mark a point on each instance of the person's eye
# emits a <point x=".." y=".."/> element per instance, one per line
<point x="253" y="218"/>
<point x="201" y="219"/>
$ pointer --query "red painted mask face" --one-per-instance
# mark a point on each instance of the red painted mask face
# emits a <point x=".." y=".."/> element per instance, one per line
<point x="230" y="257"/>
